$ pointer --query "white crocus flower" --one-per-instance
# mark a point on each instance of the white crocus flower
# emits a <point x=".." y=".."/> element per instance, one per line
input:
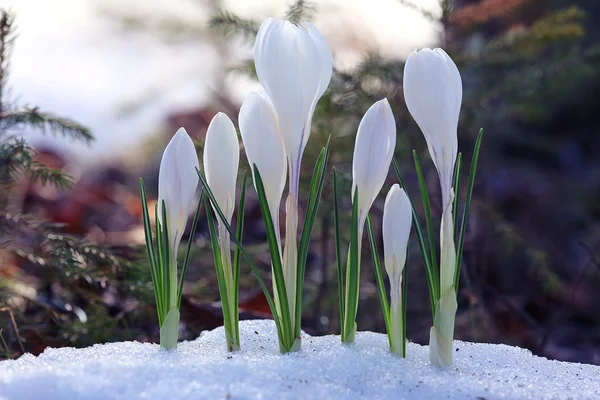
<point x="264" y="147"/>
<point x="373" y="152"/>
<point x="294" y="65"/>
<point x="397" y="221"/>
<point x="221" y="161"/>
<point x="177" y="183"/>
<point x="433" y="95"/>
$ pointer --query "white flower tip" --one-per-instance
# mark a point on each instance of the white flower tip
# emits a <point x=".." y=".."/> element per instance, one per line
<point x="397" y="221"/>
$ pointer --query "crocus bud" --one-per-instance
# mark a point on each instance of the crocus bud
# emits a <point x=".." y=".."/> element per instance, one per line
<point x="433" y="95"/>
<point x="264" y="147"/>
<point x="221" y="161"/>
<point x="177" y="183"/>
<point x="294" y="65"/>
<point x="397" y="220"/>
<point x="373" y="152"/>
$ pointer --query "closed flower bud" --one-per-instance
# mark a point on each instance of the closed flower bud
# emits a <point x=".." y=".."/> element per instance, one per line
<point x="264" y="147"/>
<point x="294" y="65"/>
<point x="221" y="161"/>
<point x="177" y="183"/>
<point x="373" y="152"/>
<point x="433" y="95"/>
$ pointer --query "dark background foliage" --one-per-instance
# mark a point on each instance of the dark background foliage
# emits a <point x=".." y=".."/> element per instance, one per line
<point x="72" y="271"/>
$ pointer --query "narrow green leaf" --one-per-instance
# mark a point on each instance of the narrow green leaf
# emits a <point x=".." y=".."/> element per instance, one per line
<point x="236" y="254"/>
<point x="430" y="273"/>
<point x="186" y="260"/>
<point x="427" y="209"/>
<point x="457" y="169"/>
<point x="167" y="256"/>
<point x="352" y="276"/>
<point x="338" y="255"/>
<point x="385" y="308"/>
<point x="463" y="227"/>
<point x="221" y="281"/>
<point x="150" y="250"/>
<point x="255" y="270"/>
<point x="160" y="267"/>
<point x="404" y="302"/>
<point x="314" y="198"/>
<point x="6" y="348"/>
<point x="275" y="256"/>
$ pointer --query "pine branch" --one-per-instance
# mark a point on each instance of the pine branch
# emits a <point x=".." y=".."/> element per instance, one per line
<point x="246" y="67"/>
<point x="6" y="40"/>
<point x="45" y="121"/>
<point x="228" y="24"/>
<point x="17" y="158"/>
<point x="425" y="13"/>
<point x="300" y="11"/>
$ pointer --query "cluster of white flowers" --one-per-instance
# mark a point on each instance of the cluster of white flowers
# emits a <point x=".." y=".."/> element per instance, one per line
<point x="294" y="66"/>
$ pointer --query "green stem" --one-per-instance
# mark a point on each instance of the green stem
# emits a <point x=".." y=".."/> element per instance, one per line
<point x="396" y="326"/>
<point x="169" y="330"/>
<point x="442" y="332"/>
<point x="290" y="251"/>
<point x="230" y="323"/>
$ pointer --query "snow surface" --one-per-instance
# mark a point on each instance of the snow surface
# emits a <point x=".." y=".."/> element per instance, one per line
<point x="324" y="369"/>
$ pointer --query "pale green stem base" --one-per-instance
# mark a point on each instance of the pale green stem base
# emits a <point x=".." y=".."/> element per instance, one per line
<point x="396" y="333"/>
<point x="296" y="346"/>
<point x="290" y="252"/>
<point x="442" y="332"/>
<point x="169" y="330"/>
<point x="230" y="317"/>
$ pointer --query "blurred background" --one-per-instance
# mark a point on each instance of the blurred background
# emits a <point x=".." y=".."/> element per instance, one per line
<point x="92" y="90"/>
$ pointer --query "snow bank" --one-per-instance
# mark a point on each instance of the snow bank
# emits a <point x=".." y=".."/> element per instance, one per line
<point x="202" y="369"/>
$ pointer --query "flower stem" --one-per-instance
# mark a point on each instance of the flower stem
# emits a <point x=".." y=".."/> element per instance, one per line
<point x="230" y="320"/>
<point x="396" y="326"/>
<point x="442" y="332"/>
<point x="290" y="252"/>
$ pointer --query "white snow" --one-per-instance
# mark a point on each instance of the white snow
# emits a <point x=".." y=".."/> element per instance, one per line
<point x="324" y="369"/>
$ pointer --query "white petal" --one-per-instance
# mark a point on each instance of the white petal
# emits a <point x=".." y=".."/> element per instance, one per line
<point x="294" y="66"/>
<point x="397" y="221"/>
<point x="177" y="182"/>
<point x="433" y="95"/>
<point x="373" y="152"/>
<point x="325" y="59"/>
<point x="221" y="161"/>
<point x="264" y="145"/>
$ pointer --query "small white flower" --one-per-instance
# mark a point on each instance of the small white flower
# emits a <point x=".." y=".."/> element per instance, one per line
<point x="433" y="95"/>
<point x="294" y="65"/>
<point x="373" y="152"/>
<point x="177" y="183"/>
<point x="264" y="147"/>
<point x="397" y="221"/>
<point x="221" y="161"/>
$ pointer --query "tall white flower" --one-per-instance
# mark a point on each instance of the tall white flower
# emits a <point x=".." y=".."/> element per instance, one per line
<point x="264" y="147"/>
<point x="177" y="183"/>
<point x="221" y="161"/>
<point x="294" y="65"/>
<point x="397" y="221"/>
<point x="373" y="152"/>
<point x="433" y="95"/>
